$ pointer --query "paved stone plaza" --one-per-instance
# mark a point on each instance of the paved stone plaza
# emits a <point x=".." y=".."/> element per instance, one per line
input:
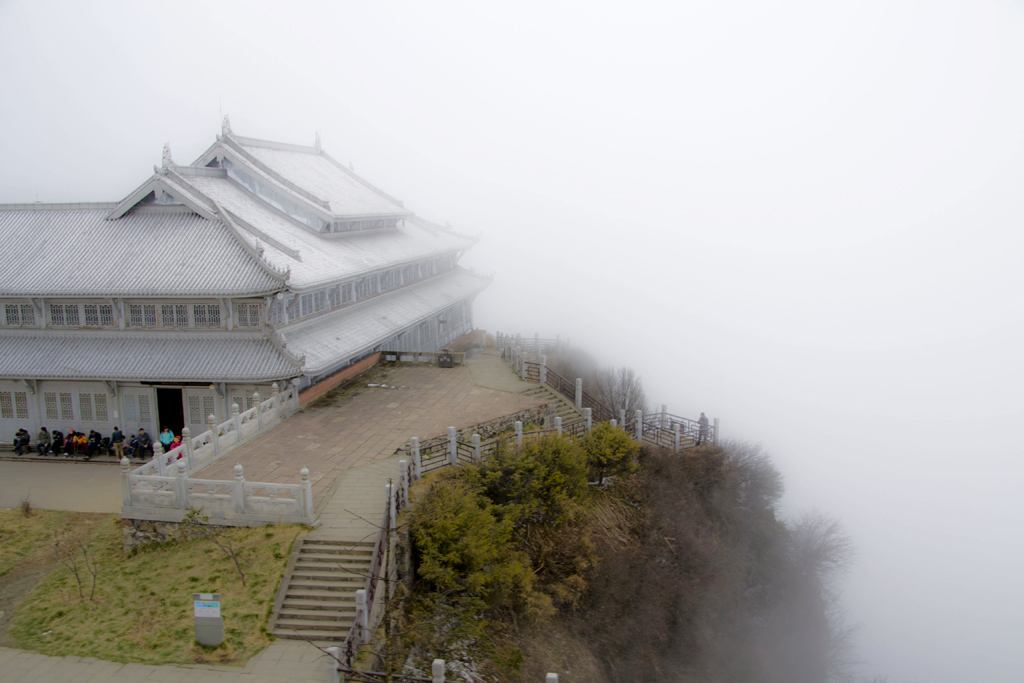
<point x="346" y="440"/>
<point x="359" y="424"/>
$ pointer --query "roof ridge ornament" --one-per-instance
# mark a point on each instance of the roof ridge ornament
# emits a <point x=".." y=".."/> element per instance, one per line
<point x="225" y="125"/>
<point x="166" y="161"/>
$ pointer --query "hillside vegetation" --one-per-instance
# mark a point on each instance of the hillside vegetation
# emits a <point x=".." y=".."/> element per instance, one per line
<point x="677" y="571"/>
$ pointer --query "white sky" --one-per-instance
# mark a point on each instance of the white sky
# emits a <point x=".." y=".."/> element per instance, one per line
<point x="802" y="217"/>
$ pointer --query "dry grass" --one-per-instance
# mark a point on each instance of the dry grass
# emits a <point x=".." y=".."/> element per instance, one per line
<point x="26" y="537"/>
<point x="142" y="611"/>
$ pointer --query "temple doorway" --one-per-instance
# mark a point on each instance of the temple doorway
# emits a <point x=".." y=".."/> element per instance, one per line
<point x="170" y="410"/>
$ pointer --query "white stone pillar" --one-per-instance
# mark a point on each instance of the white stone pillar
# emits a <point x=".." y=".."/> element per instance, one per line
<point x="453" y="447"/>
<point x="417" y="464"/>
<point x="544" y="369"/>
<point x="588" y="414"/>
<point x="714" y="440"/>
<point x="551" y="678"/>
<point x="613" y="423"/>
<point x="362" y="616"/>
<point x="664" y="415"/>
<point x="403" y="481"/>
<point x="211" y="424"/>
<point x="392" y="511"/>
<point x="579" y="393"/>
<point x="519" y="433"/>
<point x="238" y="422"/>
<point x="676" y="436"/>
<point x="437" y="671"/>
<point x="259" y="410"/>
<point x="274" y="393"/>
<point x="622" y="417"/>
<point x="307" y="491"/>
<point x="186" y="442"/>
<point x="558" y="425"/>
<point x="476" y="447"/>
<point x="126" y="485"/>
<point x="238" y="490"/>
<point x="333" y="661"/>
<point x="639" y="425"/>
<point x="181" y="486"/>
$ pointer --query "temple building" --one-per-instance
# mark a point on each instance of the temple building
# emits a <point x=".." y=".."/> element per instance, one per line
<point x="259" y="263"/>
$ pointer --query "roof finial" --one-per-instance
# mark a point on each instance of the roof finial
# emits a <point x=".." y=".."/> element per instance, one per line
<point x="225" y="126"/>
<point x="316" y="143"/>
<point x="167" y="161"/>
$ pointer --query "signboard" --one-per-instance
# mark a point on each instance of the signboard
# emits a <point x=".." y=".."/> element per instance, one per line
<point x="208" y="622"/>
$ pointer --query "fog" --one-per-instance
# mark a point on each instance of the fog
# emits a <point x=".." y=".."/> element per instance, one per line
<point x="800" y="217"/>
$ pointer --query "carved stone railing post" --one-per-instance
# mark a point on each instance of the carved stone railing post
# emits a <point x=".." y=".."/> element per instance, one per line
<point x="551" y="678"/>
<point x="238" y="422"/>
<point x="238" y="491"/>
<point x="714" y="437"/>
<point x="362" y="616"/>
<point x="333" y="659"/>
<point x="126" y="485"/>
<point x="579" y="393"/>
<point x="622" y="417"/>
<point x="613" y="423"/>
<point x="676" y="436"/>
<point x="392" y="512"/>
<point x="158" y="457"/>
<point x="211" y="424"/>
<point x="558" y="425"/>
<point x="417" y="463"/>
<point x="186" y="442"/>
<point x="307" y="492"/>
<point x="453" y="447"/>
<point x="543" y="369"/>
<point x="181" y="486"/>
<point x="588" y="414"/>
<point x="639" y="425"/>
<point x="437" y="671"/>
<point x="476" y="446"/>
<point x="519" y="433"/>
<point x="664" y="415"/>
<point x="275" y="392"/>
<point x="403" y="482"/>
<point x="259" y="410"/>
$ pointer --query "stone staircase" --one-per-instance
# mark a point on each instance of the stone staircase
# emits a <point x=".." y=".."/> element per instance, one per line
<point x="316" y="601"/>
<point x="564" y="408"/>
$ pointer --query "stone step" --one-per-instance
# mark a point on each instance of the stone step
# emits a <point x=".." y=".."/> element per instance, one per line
<point x="312" y="625"/>
<point x="331" y="615"/>
<point x="313" y="604"/>
<point x="340" y="576"/>
<point x="347" y="558"/>
<point x="329" y="598"/>
<point x="321" y="638"/>
<point x="298" y="584"/>
<point x="369" y="545"/>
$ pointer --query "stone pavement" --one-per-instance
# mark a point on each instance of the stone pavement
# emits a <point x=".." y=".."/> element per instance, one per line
<point x="61" y="485"/>
<point x="361" y="424"/>
<point x="283" y="660"/>
<point x="347" y="440"/>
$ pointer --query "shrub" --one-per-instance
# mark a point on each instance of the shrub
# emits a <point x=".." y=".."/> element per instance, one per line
<point x="464" y="549"/>
<point x="536" y="483"/>
<point x="609" y="450"/>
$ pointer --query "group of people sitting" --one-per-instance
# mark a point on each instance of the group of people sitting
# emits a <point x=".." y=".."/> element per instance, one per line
<point x="74" y="443"/>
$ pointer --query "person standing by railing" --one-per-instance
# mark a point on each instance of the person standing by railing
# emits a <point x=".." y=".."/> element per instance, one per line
<point x="702" y="429"/>
<point x="166" y="437"/>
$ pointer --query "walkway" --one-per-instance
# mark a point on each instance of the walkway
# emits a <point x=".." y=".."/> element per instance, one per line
<point x="361" y="424"/>
<point x="347" y="440"/>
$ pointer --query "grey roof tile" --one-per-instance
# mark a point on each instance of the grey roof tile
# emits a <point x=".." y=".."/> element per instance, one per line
<point x="147" y="252"/>
<point x="227" y="357"/>
<point x="327" y="339"/>
<point x="327" y="259"/>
